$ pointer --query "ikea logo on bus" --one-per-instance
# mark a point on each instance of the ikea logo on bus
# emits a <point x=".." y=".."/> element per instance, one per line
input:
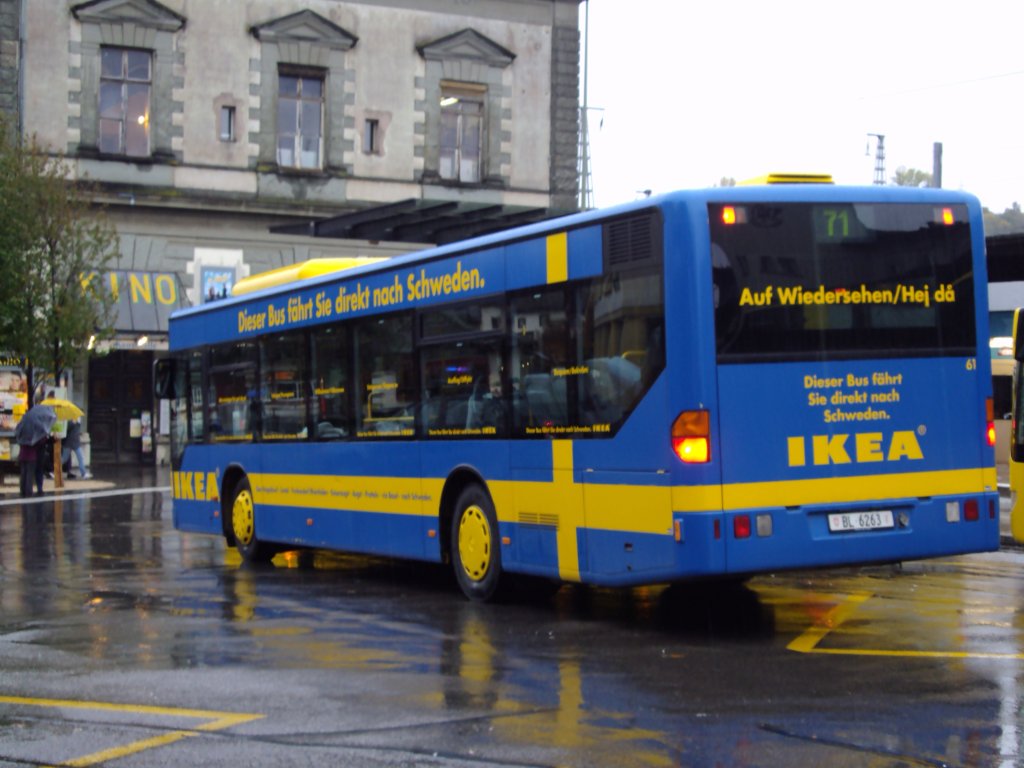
<point x="197" y="486"/>
<point x="858" y="448"/>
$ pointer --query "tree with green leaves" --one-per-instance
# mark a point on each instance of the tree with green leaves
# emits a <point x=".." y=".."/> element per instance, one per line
<point x="1009" y="222"/>
<point x="53" y="246"/>
<point x="911" y="177"/>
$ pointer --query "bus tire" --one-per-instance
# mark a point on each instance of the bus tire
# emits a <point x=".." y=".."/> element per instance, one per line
<point x="475" y="544"/>
<point x="243" y="525"/>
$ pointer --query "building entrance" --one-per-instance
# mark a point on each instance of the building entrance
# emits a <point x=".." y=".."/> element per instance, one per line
<point x="120" y="402"/>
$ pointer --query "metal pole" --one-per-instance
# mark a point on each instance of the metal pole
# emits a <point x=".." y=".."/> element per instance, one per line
<point x="879" y="158"/>
<point x="584" y="199"/>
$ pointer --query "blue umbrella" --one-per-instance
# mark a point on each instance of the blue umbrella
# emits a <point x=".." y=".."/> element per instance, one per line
<point x="35" y="425"/>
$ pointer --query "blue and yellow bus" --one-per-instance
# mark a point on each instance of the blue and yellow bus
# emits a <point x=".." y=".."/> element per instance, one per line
<point x="711" y="383"/>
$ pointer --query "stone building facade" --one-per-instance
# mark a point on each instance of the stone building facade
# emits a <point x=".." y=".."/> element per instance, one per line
<point x="218" y="129"/>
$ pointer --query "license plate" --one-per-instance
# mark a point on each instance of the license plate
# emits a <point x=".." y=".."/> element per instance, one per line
<point x="860" y="521"/>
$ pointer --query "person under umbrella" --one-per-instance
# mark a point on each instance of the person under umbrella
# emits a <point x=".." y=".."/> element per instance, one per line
<point x="73" y="444"/>
<point x="66" y="411"/>
<point x="31" y="434"/>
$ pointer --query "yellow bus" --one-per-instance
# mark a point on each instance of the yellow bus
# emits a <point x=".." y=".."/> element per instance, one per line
<point x="1016" y="458"/>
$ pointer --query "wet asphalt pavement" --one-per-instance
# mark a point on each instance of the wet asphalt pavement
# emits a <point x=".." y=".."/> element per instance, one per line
<point x="125" y="643"/>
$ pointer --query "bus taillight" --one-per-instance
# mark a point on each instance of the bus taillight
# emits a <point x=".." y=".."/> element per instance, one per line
<point x="732" y="214"/>
<point x="990" y="427"/>
<point x="971" y="509"/>
<point x="691" y="437"/>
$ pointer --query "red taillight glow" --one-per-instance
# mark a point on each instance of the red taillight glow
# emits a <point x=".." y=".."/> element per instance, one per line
<point x="691" y="438"/>
<point x="741" y="526"/>
<point x="990" y="434"/>
<point x="692" y="450"/>
<point x="971" y="509"/>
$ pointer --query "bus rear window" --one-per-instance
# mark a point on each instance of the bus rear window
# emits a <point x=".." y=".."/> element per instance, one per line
<point x="800" y="281"/>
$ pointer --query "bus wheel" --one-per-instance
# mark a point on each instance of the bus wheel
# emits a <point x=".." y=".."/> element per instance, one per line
<point x="243" y="525"/>
<point x="476" y="553"/>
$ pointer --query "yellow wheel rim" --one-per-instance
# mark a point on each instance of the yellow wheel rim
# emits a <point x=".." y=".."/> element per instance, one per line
<point x="243" y="518"/>
<point x="474" y="542"/>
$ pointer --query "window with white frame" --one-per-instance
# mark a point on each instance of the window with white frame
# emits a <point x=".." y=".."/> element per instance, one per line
<point x="300" y="109"/>
<point x="462" y="127"/>
<point x="227" y="123"/>
<point x="371" y="136"/>
<point x="126" y="83"/>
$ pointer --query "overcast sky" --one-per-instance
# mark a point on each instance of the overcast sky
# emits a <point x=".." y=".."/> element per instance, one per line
<point x="682" y="92"/>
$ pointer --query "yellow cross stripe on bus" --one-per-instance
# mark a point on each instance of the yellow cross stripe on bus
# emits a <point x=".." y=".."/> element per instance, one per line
<point x="415" y="496"/>
<point x="216" y="721"/>
<point x="565" y="497"/>
<point x="808" y="641"/>
<point x="557" y="258"/>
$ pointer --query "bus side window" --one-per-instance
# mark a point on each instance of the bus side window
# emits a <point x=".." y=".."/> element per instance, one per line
<point x="623" y="345"/>
<point x="196" y="409"/>
<point x="232" y="401"/>
<point x="540" y="361"/>
<point x="283" y="395"/>
<point x="332" y="382"/>
<point x="463" y="387"/>
<point x="385" y="380"/>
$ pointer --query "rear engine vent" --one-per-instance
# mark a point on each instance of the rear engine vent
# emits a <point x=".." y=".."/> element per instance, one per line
<point x="543" y="519"/>
<point x="633" y="242"/>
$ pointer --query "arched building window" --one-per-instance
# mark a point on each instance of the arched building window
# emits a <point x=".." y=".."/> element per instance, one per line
<point x="305" y="90"/>
<point x="466" y="110"/>
<point x="128" y="52"/>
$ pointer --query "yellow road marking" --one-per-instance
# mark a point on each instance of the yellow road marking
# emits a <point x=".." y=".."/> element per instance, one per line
<point x="808" y="641"/>
<point x="217" y="721"/>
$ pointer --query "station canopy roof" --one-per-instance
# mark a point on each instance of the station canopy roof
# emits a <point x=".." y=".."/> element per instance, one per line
<point x="421" y="221"/>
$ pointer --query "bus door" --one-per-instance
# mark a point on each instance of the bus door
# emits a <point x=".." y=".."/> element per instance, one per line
<point x="1017" y="431"/>
<point x="548" y="502"/>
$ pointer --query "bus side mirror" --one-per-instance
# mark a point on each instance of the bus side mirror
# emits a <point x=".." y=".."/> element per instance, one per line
<point x="163" y="378"/>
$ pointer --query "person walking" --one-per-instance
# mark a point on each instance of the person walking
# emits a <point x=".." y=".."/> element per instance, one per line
<point x="31" y="434"/>
<point x="28" y="458"/>
<point x="73" y="442"/>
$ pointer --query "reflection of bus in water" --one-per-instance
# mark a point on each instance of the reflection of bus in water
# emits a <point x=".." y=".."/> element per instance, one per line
<point x="707" y="383"/>
<point x="13" y="400"/>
